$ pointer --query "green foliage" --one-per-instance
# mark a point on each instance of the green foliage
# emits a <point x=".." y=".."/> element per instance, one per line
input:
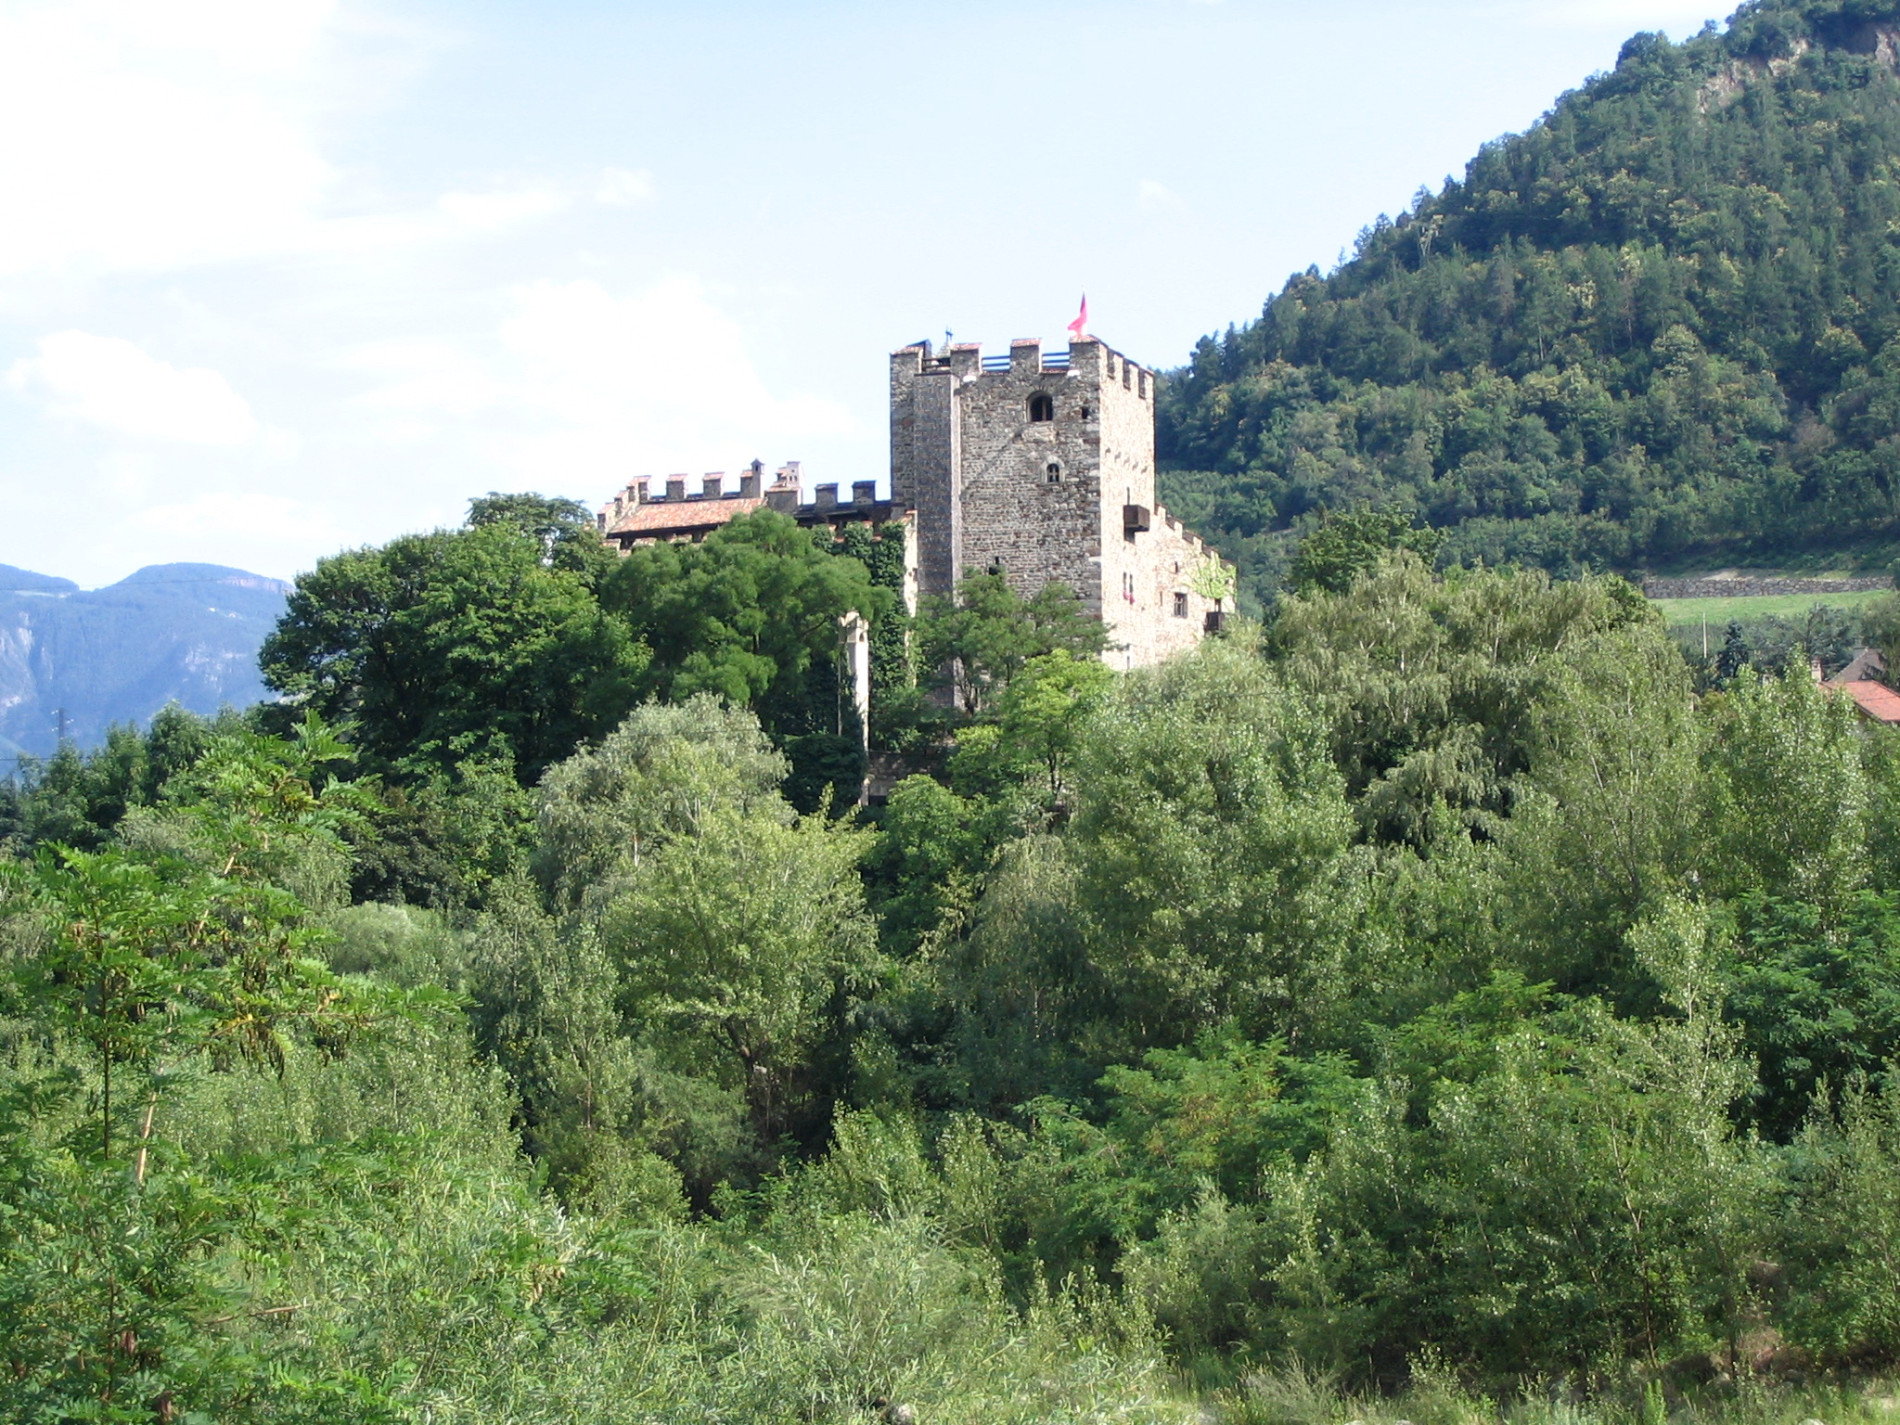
<point x="80" y="799"/>
<point x="134" y="968"/>
<point x="1788" y="793"/>
<point x="1345" y="546"/>
<point x="1817" y="997"/>
<point x="1840" y="1226"/>
<point x="981" y="640"/>
<point x="742" y="614"/>
<point x="1656" y="325"/>
<point x="1608" y="825"/>
<point x="656" y="778"/>
<point x="1042" y="716"/>
<point x="440" y="646"/>
<point x="564" y="529"/>
<point x="1442" y="998"/>
<point x="738" y="947"/>
<point x="1435" y="686"/>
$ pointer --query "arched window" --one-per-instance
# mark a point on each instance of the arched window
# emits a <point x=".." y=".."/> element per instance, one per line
<point x="1042" y="407"/>
<point x="1055" y="473"/>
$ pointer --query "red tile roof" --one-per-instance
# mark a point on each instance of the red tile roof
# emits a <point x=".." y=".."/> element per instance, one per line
<point x="1877" y="700"/>
<point x="658" y="517"/>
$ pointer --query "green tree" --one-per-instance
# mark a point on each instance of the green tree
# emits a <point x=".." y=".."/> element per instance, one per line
<point x="656" y="778"/>
<point x="1044" y="713"/>
<point x="440" y="646"/>
<point x="736" y="946"/>
<point x="979" y="641"/>
<point x="743" y="614"/>
<point x="1787" y="801"/>
<point x="1344" y="546"/>
<point x="1608" y="823"/>
<point x="148" y="965"/>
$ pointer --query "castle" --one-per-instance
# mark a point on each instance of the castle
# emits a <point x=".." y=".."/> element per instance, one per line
<point x="1040" y="467"/>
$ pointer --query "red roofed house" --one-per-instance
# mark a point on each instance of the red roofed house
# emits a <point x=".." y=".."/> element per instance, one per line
<point x="1859" y="681"/>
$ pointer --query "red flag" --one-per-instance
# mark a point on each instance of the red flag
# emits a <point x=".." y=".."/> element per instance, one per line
<point x="1080" y="326"/>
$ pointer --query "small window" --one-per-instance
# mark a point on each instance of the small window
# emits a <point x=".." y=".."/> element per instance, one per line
<point x="1042" y="407"/>
<point x="1180" y="606"/>
<point x="1055" y="473"/>
<point x="1083" y="413"/>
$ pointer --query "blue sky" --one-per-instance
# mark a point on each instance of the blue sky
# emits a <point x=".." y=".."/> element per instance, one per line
<point x="277" y="279"/>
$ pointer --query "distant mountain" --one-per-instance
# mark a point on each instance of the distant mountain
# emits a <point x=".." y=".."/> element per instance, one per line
<point x="185" y="633"/>
<point x="1662" y="327"/>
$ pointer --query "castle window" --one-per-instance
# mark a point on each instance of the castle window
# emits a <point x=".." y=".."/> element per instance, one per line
<point x="1084" y="413"/>
<point x="1042" y="407"/>
<point x="1055" y="473"/>
<point x="1180" y="606"/>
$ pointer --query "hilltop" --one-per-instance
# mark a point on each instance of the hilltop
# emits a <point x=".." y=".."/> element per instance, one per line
<point x="185" y="633"/>
<point x="1661" y="328"/>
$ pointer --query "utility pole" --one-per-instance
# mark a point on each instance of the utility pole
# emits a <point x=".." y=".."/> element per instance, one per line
<point x="60" y="713"/>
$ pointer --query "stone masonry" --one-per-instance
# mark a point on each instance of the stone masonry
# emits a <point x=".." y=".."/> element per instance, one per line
<point x="1042" y="467"/>
<point x="1742" y="586"/>
<point x="1039" y="466"/>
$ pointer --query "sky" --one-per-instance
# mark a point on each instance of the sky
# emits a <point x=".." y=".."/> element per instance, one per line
<point x="279" y="279"/>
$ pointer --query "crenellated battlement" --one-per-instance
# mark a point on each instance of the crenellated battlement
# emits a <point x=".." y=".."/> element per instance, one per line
<point x="642" y="514"/>
<point x="1084" y="358"/>
<point x="1038" y="463"/>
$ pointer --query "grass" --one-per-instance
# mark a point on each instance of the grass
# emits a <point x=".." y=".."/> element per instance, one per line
<point x="1689" y="613"/>
<point x="1297" y="1397"/>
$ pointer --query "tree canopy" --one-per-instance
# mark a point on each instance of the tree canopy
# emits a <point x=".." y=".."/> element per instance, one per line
<point x="439" y="646"/>
<point x="1657" y="326"/>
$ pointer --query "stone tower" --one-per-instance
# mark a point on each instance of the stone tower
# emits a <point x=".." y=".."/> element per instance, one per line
<point x="1043" y="467"/>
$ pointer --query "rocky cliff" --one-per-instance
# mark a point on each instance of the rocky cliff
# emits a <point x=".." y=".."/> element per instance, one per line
<point x="81" y="660"/>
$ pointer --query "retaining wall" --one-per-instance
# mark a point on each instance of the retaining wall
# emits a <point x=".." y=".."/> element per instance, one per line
<point x="1756" y="588"/>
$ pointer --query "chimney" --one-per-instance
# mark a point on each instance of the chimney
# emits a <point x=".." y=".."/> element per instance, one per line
<point x="785" y="494"/>
<point x="714" y="485"/>
<point x="637" y="491"/>
<point x="864" y="492"/>
<point x="749" y="482"/>
<point x="827" y="495"/>
<point x="676" y="487"/>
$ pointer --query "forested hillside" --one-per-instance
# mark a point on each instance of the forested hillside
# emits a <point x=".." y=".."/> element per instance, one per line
<point x="1658" y="328"/>
<point x="1423" y="1005"/>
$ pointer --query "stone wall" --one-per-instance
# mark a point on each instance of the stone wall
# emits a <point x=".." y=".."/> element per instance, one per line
<point x="1755" y="588"/>
<point x="1045" y="499"/>
<point x="1036" y="525"/>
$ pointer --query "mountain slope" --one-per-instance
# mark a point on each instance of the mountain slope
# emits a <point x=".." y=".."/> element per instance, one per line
<point x="1661" y="326"/>
<point x="186" y="633"/>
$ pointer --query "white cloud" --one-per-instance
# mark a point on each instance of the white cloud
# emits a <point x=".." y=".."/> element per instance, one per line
<point x="624" y="187"/>
<point x="146" y="135"/>
<point x="583" y="388"/>
<point x="108" y="381"/>
<point x="1153" y="197"/>
<point x="190" y="133"/>
<point x="490" y="212"/>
